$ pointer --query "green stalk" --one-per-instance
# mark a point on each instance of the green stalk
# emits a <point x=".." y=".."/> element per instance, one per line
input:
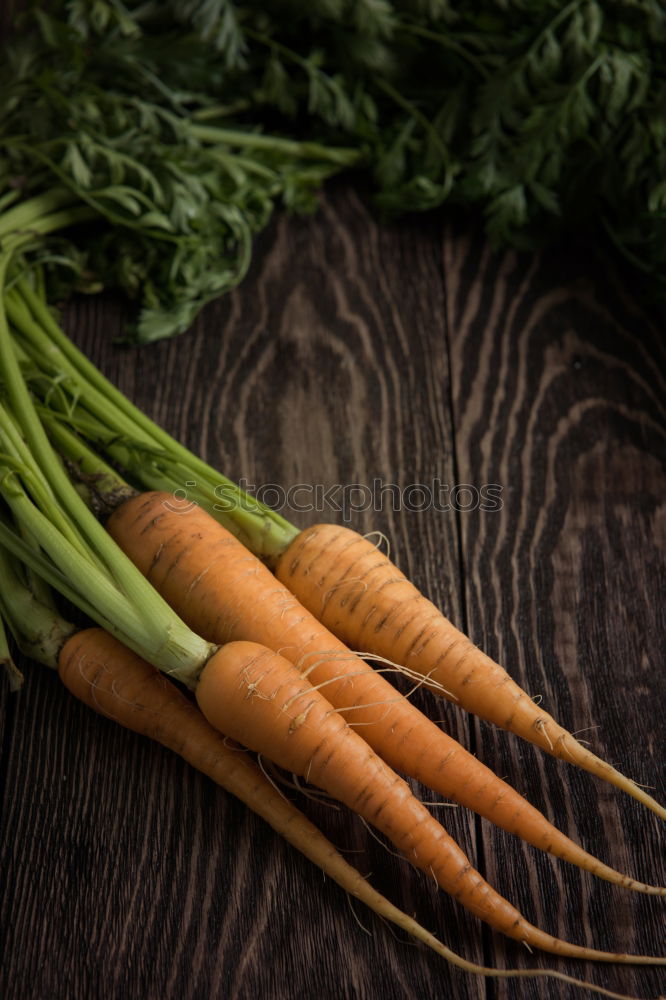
<point x="104" y="489"/>
<point x="18" y="238"/>
<point x="38" y="629"/>
<point x="101" y="592"/>
<point x="46" y="355"/>
<point x="178" y="651"/>
<point x="18" y="454"/>
<point x="148" y="465"/>
<point x="425" y="123"/>
<point x="8" y="199"/>
<point x="448" y="43"/>
<point x="93" y="207"/>
<point x="37" y="585"/>
<point x="341" y="155"/>
<point x="221" y="110"/>
<point x="28" y="212"/>
<point x="14" y="675"/>
<point x="268" y="532"/>
<point x="38" y="564"/>
<point x="71" y="447"/>
<point x="107" y="586"/>
<point x="116" y="563"/>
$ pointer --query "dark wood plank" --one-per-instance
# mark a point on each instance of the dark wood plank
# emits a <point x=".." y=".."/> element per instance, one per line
<point x="558" y="390"/>
<point x="133" y="876"/>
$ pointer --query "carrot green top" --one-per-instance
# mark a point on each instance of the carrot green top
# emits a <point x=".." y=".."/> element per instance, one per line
<point x="87" y="401"/>
<point x="55" y="533"/>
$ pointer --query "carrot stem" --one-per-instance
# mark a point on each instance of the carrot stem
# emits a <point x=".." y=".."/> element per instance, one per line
<point x="258" y="140"/>
<point x="16" y="450"/>
<point x="266" y="530"/>
<point x="100" y="483"/>
<point x="130" y="608"/>
<point x="12" y="672"/>
<point x="45" y="459"/>
<point x="33" y="211"/>
<point x="146" y="621"/>
<point x="100" y="578"/>
<point x="38" y="629"/>
<point x="168" y="643"/>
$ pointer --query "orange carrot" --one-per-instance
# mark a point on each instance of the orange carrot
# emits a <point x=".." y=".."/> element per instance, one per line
<point x="259" y="698"/>
<point x="224" y="593"/>
<point x="115" y="682"/>
<point x="361" y="596"/>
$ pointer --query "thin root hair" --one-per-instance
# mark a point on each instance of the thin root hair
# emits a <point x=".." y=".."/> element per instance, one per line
<point x="541" y="724"/>
<point x="381" y="537"/>
<point x="94" y="684"/>
<point x="324" y="655"/>
<point x="586" y="729"/>
<point x="356" y="916"/>
<point x="268" y="778"/>
<point x="388" y="850"/>
<point x="421" y="679"/>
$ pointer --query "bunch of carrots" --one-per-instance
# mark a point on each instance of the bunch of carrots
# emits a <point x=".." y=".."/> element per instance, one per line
<point x="270" y="628"/>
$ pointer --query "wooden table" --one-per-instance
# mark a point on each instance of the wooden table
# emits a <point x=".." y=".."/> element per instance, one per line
<point x="406" y="354"/>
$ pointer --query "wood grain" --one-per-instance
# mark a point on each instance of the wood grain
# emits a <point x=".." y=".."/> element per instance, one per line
<point x="558" y="395"/>
<point x="356" y="352"/>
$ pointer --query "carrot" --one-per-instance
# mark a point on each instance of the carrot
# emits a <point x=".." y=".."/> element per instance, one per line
<point x="224" y="593"/>
<point x="364" y="599"/>
<point x="259" y="698"/>
<point x="113" y="681"/>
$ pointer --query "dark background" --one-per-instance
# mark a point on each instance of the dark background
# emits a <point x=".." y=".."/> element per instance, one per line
<point x="407" y="352"/>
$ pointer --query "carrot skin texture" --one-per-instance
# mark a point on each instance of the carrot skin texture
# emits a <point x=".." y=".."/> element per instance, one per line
<point x="116" y="683"/>
<point x="224" y="593"/>
<point x="364" y="599"/>
<point x="261" y="699"/>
